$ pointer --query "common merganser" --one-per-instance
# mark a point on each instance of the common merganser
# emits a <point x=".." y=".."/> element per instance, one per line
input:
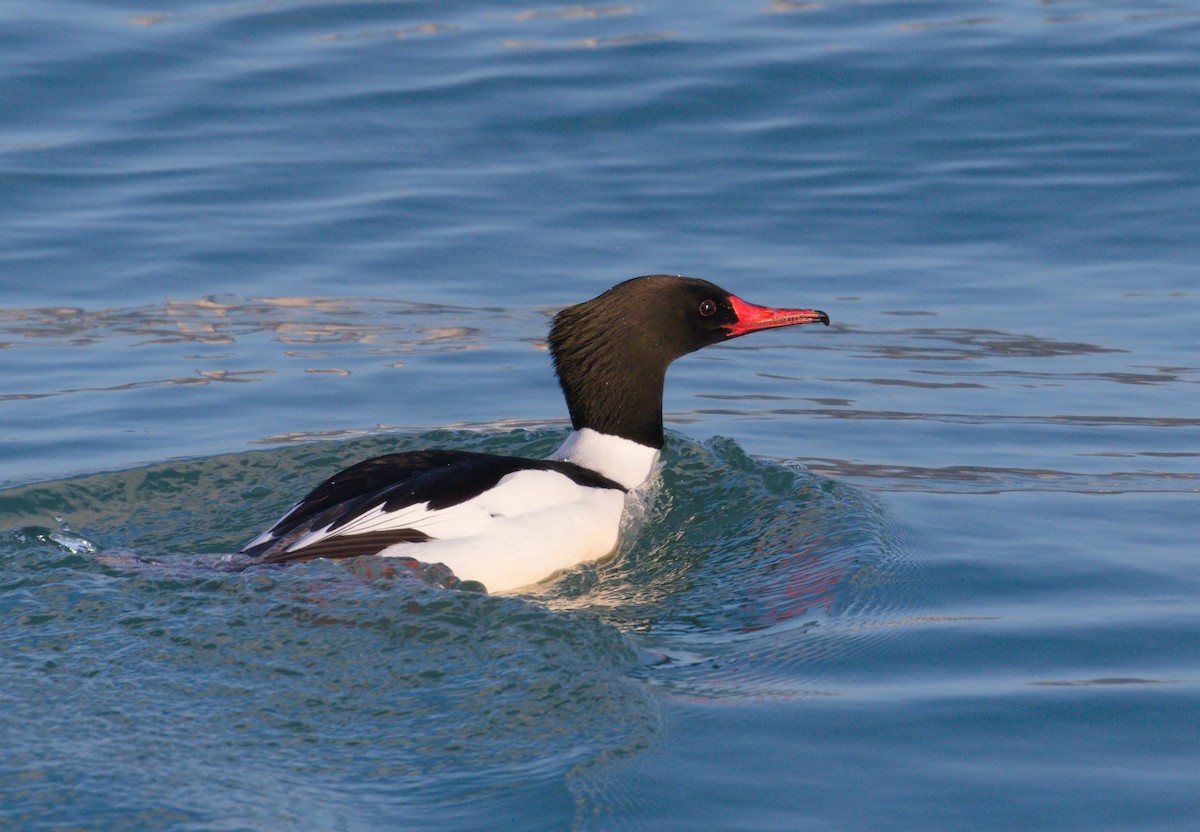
<point x="507" y="522"/>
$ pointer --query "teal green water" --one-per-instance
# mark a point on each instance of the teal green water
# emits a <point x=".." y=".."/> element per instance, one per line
<point x="932" y="568"/>
<point x="139" y="680"/>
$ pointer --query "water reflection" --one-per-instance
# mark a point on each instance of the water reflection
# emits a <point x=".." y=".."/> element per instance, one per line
<point x="957" y="344"/>
<point x="573" y="12"/>
<point x="213" y="320"/>
<point x="489" y="20"/>
<point x="201" y="377"/>
<point x="975" y="479"/>
<point x="914" y="376"/>
<point x="400" y="33"/>
<point x="316" y="328"/>
<point x="951" y="418"/>
<point x="425" y="29"/>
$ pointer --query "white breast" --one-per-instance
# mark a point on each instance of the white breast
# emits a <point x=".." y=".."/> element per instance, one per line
<point x="621" y="460"/>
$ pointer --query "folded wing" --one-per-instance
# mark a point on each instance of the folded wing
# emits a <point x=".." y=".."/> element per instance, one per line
<point x="415" y="497"/>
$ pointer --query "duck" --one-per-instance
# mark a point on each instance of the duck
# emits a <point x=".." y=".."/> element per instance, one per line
<point x="509" y="522"/>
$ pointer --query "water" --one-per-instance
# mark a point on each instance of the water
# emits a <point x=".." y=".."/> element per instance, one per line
<point x="932" y="568"/>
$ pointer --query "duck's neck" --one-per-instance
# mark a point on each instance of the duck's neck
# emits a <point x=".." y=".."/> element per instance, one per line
<point x="611" y="364"/>
<point x="622" y="460"/>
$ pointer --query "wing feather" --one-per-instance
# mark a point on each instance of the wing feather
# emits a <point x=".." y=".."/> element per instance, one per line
<point x="403" y="498"/>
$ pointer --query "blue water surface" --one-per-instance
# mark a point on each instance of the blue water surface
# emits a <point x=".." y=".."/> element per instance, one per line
<point x="932" y="568"/>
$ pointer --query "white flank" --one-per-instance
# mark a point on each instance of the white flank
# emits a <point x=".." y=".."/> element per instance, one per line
<point x="621" y="460"/>
<point x="530" y="525"/>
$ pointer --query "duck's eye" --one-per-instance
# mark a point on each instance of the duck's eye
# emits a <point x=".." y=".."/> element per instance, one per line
<point x="708" y="308"/>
